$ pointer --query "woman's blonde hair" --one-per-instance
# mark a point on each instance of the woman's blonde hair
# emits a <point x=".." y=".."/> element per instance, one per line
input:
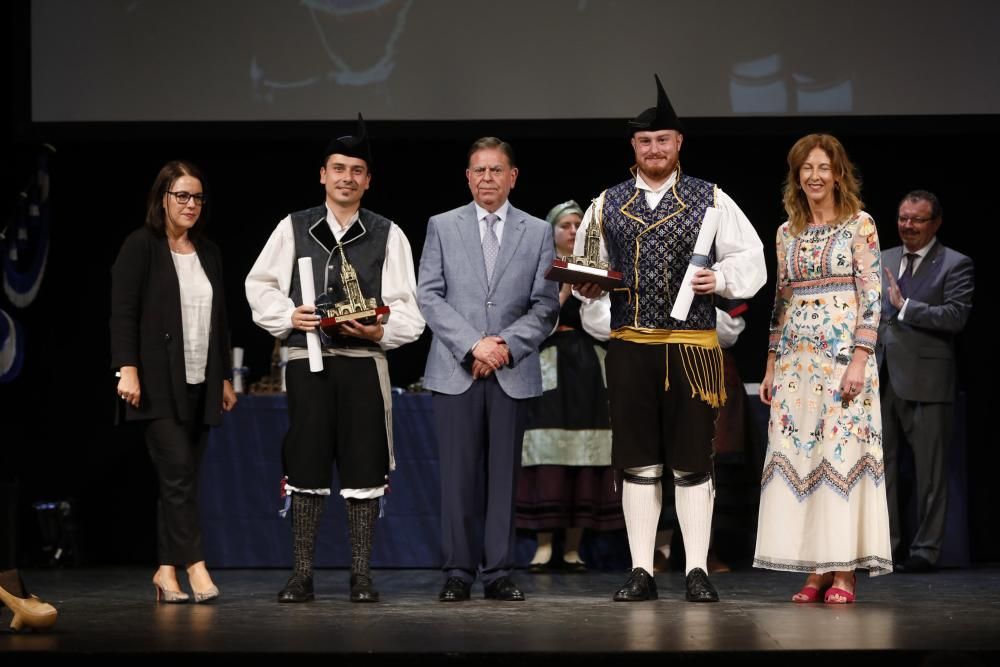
<point x="847" y="186"/>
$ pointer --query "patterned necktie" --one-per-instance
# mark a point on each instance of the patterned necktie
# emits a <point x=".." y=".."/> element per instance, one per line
<point x="907" y="275"/>
<point x="491" y="246"/>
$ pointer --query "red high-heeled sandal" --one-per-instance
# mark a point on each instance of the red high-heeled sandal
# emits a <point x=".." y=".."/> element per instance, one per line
<point x="809" y="593"/>
<point x="846" y="596"/>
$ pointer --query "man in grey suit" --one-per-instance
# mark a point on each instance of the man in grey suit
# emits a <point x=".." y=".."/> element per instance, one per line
<point x="483" y="292"/>
<point x="926" y="303"/>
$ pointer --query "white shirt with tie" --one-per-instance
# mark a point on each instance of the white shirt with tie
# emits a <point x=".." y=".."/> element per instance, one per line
<point x="916" y="264"/>
<point x="501" y="214"/>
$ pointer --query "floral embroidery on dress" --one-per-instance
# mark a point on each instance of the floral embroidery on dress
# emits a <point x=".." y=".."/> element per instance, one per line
<point x="827" y="302"/>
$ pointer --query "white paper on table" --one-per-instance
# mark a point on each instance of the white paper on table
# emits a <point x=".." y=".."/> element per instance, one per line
<point x="283" y="355"/>
<point x="706" y="238"/>
<point x="308" y="288"/>
<point x="238" y="370"/>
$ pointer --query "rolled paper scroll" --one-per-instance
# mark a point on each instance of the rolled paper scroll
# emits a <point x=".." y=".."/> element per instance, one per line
<point x="699" y="260"/>
<point x="308" y="288"/>
<point x="238" y="370"/>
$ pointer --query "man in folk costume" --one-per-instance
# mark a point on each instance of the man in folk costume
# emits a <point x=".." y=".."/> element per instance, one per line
<point x="665" y="375"/>
<point x="341" y="414"/>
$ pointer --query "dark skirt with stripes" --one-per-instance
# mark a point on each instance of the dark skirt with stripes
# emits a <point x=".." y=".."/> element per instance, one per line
<point x="566" y="478"/>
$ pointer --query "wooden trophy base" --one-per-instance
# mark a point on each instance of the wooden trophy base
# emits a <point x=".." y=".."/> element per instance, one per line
<point x="577" y="274"/>
<point x="366" y="316"/>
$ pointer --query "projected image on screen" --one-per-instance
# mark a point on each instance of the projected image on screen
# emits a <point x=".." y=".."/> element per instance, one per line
<point x="359" y="37"/>
<point x="166" y="60"/>
<point x="766" y="86"/>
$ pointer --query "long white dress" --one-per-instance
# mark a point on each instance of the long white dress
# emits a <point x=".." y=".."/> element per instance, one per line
<point x="823" y="504"/>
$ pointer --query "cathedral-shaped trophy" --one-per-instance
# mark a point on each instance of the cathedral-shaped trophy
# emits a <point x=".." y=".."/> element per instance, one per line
<point x="588" y="267"/>
<point x="354" y="308"/>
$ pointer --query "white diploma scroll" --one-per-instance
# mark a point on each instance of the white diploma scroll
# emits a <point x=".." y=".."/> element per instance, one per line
<point x="308" y="288"/>
<point x="706" y="237"/>
<point x="238" y="370"/>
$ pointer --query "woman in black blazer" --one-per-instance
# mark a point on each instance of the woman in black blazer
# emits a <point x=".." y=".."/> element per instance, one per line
<point x="170" y="344"/>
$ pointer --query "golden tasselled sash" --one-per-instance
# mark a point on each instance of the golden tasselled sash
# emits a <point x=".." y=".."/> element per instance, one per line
<point x="700" y="353"/>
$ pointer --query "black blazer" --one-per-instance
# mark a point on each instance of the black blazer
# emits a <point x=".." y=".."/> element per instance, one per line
<point x="146" y="327"/>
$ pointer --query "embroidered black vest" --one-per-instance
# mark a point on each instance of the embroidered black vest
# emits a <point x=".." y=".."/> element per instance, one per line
<point x="364" y="245"/>
<point x="652" y="250"/>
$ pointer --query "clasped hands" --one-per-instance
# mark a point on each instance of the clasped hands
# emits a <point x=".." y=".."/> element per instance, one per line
<point x="304" y="318"/>
<point x="489" y="355"/>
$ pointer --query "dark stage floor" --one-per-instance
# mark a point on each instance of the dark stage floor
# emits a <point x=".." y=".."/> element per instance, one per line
<point x="949" y="617"/>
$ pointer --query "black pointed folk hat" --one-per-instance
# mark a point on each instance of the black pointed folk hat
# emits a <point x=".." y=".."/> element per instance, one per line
<point x="660" y="117"/>
<point x="352" y="145"/>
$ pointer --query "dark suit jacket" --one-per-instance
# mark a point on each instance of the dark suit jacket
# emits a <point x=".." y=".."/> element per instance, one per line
<point x="920" y="349"/>
<point x="146" y="327"/>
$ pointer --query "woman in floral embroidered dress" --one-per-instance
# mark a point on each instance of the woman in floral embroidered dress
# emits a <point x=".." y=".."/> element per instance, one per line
<point x="823" y="505"/>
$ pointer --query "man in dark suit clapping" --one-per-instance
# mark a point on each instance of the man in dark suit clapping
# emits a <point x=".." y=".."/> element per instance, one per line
<point x="925" y="304"/>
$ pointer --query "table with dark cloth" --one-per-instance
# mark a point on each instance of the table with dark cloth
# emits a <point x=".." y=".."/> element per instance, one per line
<point x="240" y="492"/>
<point x="241" y="475"/>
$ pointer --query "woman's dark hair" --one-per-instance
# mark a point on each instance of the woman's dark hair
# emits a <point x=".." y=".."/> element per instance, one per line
<point x="171" y="171"/>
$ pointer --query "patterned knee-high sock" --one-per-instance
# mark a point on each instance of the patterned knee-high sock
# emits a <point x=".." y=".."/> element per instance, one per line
<point x="361" y="517"/>
<point x="307" y="509"/>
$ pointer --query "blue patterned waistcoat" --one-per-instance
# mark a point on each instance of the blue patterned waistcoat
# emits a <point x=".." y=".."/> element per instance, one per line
<point x="652" y="250"/>
<point x="364" y="245"/>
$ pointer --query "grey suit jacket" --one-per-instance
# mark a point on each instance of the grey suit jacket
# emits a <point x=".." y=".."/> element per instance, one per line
<point x="920" y="349"/>
<point x="521" y="306"/>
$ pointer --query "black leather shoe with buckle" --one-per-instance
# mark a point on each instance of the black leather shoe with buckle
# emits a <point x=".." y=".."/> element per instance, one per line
<point x="699" y="588"/>
<point x="503" y="589"/>
<point x="299" y="588"/>
<point x="455" y="590"/>
<point x="362" y="589"/>
<point x="639" y="586"/>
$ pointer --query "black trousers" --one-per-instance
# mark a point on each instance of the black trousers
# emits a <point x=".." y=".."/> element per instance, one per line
<point x="650" y="425"/>
<point x="337" y="417"/>
<point x="480" y="433"/>
<point x="176" y="449"/>
<point x="926" y="427"/>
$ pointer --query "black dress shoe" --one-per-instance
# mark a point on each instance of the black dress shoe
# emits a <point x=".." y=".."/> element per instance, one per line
<point x="538" y="568"/>
<point x="299" y="588"/>
<point x="915" y="564"/>
<point x="362" y="589"/>
<point x="639" y="586"/>
<point x="579" y="567"/>
<point x="503" y="589"/>
<point x="455" y="590"/>
<point x="699" y="588"/>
